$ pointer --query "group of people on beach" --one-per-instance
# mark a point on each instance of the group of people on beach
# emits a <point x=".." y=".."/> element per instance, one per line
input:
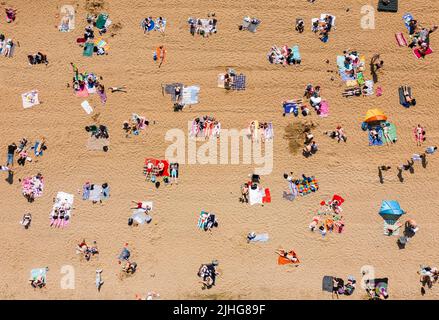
<point x="206" y="127"/>
<point x="420" y="37"/>
<point x="135" y="125"/>
<point x="323" y="27"/>
<point x="203" y="27"/>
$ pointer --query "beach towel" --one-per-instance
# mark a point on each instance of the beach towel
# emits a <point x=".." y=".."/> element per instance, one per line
<point x="155" y="162"/>
<point x="157" y="25"/>
<point x="282" y="260"/>
<point x="221" y="78"/>
<point x="360" y="78"/>
<point x="296" y="54"/>
<point x="35" y="148"/>
<point x="407" y="18"/>
<point x="32" y="186"/>
<point x="95" y="144"/>
<point x="402" y="100"/>
<point x="392" y="133"/>
<point x="101" y="20"/>
<point x="170" y="89"/>
<point x="62" y="200"/>
<point x="88" y="49"/>
<point x="239" y="82"/>
<point x="267" y="196"/>
<point x="324" y="109"/>
<point x="202" y="220"/>
<point x="190" y="95"/>
<point x="263" y="237"/>
<point x="253" y="26"/>
<point x="418" y="54"/>
<point x="391" y="7"/>
<point x="292" y="106"/>
<point x="402" y="42"/>
<point x="378" y="142"/>
<point x="327" y="283"/>
<point x="87" y="107"/>
<point x="30" y="99"/>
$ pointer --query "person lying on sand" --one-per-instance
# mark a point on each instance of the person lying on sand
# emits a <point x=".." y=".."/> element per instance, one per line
<point x="287" y="254"/>
<point x="118" y="89"/>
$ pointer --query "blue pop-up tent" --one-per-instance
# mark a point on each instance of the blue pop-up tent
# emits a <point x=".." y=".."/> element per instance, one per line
<point x="391" y="210"/>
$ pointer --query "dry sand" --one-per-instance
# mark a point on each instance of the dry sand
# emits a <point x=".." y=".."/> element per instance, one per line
<point x="170" y="250"/>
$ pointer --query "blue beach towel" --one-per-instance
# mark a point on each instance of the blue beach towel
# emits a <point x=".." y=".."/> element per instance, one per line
<point x="296" y="53"/>
<point x="407" y="17"/>
<point x="378" y="142"/>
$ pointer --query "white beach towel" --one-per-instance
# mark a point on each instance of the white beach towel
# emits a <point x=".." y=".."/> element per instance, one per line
<point x="255" y="196"/>
<point x="87" y="107"/>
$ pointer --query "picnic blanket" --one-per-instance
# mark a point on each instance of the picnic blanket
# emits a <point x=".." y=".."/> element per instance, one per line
<point x="418" y="54"/>
<point x="306" y="187"/>
<point x="391" y="7"/>
<point x="327" y="283"/>
<point x="324" y="109"/>
<point x="30" y="99"/>
<point x="32" y="186"/>
<point x="239" y="82"/>
<point x="190" y="95"/>
<point x="94" y="143"/>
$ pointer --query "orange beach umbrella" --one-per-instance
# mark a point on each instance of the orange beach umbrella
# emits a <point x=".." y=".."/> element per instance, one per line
<point x="375" y="115"/>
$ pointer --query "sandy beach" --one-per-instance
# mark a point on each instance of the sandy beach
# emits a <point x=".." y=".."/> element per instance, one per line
<point x="171" y="248"/>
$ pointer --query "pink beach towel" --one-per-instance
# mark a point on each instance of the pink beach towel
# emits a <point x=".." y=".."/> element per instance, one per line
<point x="324" y="109"/>
<point x="400" y="39"/>
<point x="82" y="93"/>
<point x="418" y="54"/>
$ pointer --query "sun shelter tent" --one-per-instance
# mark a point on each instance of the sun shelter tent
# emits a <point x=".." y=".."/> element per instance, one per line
<point x="388" y="6"/>
<point x="391" y="211"/>
<point x="30" y="99"/>
<point x="375" y="115"/>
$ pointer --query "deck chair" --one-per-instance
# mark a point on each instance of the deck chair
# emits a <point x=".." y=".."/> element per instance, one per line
<point x="391" y="7"/>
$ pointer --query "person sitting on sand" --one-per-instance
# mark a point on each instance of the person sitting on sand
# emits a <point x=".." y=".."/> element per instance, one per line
<point x="431" y="150"/>
<point x="300" y="26"/>
<point x="10" y="14"/>
<point x="26" y="220"/>
<point x="412" y="226"/>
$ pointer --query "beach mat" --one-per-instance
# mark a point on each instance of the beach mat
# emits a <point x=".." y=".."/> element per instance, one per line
<point x="391" y="7"/>
<point x="327" y="283"/>
<point x="30" y="99"/>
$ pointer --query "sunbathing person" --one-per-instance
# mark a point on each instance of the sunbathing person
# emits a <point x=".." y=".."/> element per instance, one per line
<point x="118" y="89"/>
<point x="38" y="282"/>
<point x="409" y="100"/>
<point x="290" y="255"/>
<point x="419" y="135"/>
<point x="386" y="134"/>
<point x="244" y="193"/>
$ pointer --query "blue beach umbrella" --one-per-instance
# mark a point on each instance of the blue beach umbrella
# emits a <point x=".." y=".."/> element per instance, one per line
<point x="391" y="210"/>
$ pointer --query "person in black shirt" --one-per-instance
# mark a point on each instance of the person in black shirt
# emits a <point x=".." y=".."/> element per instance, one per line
<point x="11" y="149"/>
